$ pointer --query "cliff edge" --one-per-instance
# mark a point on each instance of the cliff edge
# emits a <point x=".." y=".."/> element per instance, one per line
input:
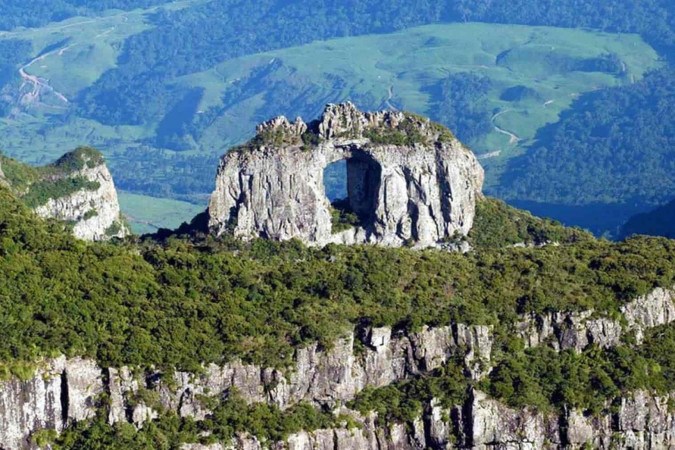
<point x="77" y="189"/>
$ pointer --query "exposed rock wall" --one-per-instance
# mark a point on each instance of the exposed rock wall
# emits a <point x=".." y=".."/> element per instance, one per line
<point x="420" y="193"/>
<point x="653" y="309"/>
<point x="66" y="390"/>
<point x="61" y="391"/>
<point x="3" y="180"/>
<point x="642" y="421"/>
<point x="95" y="213"/>
<point x="578" y="330"/>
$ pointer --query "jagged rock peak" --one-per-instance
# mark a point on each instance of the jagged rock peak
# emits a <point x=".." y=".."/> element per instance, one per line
<point x="281" y="123"/>
<point x="409" y="181"/>
<point x="346" y="121"/>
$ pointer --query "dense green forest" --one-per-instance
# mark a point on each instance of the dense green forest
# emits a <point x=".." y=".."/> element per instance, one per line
<point x="654" y="19"/>
<point x="180" y="299"/>
<point x="613" y="146"/>
<point x="184" y="302"/>
<point x="35" y="13"/>
<point x="177" y="302"/>
<point x="12" y="52"/>
<point x="659" y="222"/>
<point x="460" y="105"/>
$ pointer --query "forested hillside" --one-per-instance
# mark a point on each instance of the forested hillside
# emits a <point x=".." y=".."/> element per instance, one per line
<point x="187" y="301"/>
<point x="613" y="146"/>
<point x="659" y="222"/>
<point x="35" y="13"/>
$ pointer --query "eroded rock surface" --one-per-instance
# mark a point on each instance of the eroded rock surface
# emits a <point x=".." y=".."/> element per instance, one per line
<point x="643" y="421"/>
<point x="409" y="181"/>
<point x="63" y="391"/>
<point x="578" y="330"/>
<point x="94" y="212"/>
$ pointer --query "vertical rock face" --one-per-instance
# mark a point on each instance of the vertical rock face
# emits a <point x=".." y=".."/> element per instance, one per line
<point x="31" y="405"/>
<point x="329" y="378"/>
<point x="408" y="181"/>
<point x="93" y="209"/>
<point x="642" y="422"/>
<point x="68" y="391"/>
<point x="653" y="309"/>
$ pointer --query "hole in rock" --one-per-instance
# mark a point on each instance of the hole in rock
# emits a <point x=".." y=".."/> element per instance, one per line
<point x="335" y="180"/>
<point x="352" y="186"/>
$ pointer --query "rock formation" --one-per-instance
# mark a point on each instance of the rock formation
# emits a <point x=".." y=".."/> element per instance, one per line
<point x="64" y="391"/>
<point x="409" y="181"/>
<point x="77" y="189"/>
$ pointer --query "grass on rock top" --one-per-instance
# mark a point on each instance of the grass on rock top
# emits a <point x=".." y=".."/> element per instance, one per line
<point x="36" y="185"/>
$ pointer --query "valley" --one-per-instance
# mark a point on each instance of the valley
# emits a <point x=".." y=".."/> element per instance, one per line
<point x="169" y="154"/>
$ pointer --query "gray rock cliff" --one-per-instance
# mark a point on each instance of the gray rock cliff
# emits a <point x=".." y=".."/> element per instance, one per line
<point x="64" y="391"/>
<point x="642" y="421"/>
<point x="94" y="211"/>
<point x="409" y="181"/>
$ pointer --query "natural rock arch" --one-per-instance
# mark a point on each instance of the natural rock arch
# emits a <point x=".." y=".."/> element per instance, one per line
<point x="411" y="180"/>
<point x="363" y="176"/>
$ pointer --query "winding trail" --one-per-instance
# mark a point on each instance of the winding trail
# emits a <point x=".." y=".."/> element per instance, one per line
<point x="489" y="155"/>
<point x="39" y="85"/>
<point x="513" y="138"/>
<point x="387" y="102"/>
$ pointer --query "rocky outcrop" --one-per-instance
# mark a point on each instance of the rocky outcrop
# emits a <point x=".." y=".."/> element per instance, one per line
<point x="409" y="181"/>
<point x="570" y="330"/>
<point x="578" y="330"/>
<point x="93" y="209"/>
<point x="642" y="421"/>
<point x="70" y="390"/>
<point x="61" y="392"/>
<point x="650" y="310"/>
<point x="3" y="179"/>
<point x="66" y="390"/>
<point x="333" y="377"/>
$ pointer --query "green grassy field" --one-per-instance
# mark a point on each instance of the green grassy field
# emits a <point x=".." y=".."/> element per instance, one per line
<point x="405" y="64"/>
<point x="147" y="214"/>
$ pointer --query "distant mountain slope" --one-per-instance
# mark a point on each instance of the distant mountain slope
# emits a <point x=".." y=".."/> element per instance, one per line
<point x="36" y="13"/>
<point x="615" y="146"/>
<point x="456" y="74"/>
<point x="659" y="222"/>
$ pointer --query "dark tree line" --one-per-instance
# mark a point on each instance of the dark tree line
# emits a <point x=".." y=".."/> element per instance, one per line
<point x="614" y="145"/>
